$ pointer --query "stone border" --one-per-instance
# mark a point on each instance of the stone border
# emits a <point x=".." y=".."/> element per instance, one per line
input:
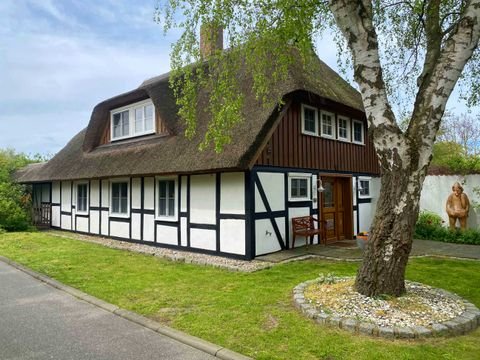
<point x="193" y="341"/>
<point x="468" y="321"/>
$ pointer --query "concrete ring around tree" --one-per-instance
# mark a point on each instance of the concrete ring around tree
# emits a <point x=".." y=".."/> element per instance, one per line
<point x="468" y="321"/>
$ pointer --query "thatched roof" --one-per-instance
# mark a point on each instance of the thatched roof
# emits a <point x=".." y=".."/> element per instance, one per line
<point x="82" y="158"/>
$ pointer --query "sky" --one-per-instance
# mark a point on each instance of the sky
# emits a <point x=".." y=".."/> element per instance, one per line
<point x="59" y="58"/>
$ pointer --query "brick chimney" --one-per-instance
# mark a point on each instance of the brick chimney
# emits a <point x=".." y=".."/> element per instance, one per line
<point x="211" y="39"/>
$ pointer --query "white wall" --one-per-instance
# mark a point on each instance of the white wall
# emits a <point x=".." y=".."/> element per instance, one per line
<point x="136" y="193"/>
<point x="202" y="199"/>
<point x="167" y="235"/>
<point x="232" y="193"/>
<point x="56" y="192"/>
<point x="203" y="239"/>
<point x="436" y="190"/>
<point x="95" y="193"/>
<point x="120" y="229"/>
<point x="232" y="236"/>
<point x="66" y="196"/>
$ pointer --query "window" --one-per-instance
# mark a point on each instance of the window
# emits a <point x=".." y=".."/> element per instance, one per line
<point x="364" y="188"/>
<point x="167" y="195"/>
<point x="299" y="185"/>
<point x="82" y="198"/>
<point x="358" y="132"/>
<point x="328" y="124"/>
<point x="309" y="120"/>
<point x="119" y="198"/>
<point x="133" y="120"/>
<point x="343" y="128"/>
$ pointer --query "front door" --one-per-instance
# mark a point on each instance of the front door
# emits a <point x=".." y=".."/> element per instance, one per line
<point x="336" y="208"/>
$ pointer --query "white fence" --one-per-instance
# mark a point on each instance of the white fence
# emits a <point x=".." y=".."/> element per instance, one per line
<point x="436" y="189"/>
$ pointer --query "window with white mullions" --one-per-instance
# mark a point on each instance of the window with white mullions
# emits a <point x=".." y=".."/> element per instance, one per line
<point x="121" y="124"/>
<point x="119" y="196"/>
<point x="309" y="120"/>
<point x="327" y="124"/>
<point x="358" y="136"/>
<point x="299" y="187"/>
<point x="82" y="198"/>
<point x="166" y="198"/>
<point x="343" y="130"/>
<point x="133" y="120"/>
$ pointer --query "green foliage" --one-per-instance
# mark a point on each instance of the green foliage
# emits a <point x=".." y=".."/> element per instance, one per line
<point x="15" y="200"/>
<point x="429" y="227"/>
<point x="328" y="278"/>
<point x="450" y="155"/>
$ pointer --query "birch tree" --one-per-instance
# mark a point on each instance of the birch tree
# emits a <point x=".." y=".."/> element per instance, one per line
<point x="412" y="50"/>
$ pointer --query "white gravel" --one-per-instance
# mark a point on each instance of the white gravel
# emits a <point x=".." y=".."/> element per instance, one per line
<point x="420" y="306"/>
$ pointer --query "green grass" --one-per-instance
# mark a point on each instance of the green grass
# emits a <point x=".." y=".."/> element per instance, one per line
<point x="249" y="313"/>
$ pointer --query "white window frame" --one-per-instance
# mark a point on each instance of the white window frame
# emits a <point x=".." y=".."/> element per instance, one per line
<point x="332" y="116"/>
<point x="174" y="217"/>
<point x="369" y="195"/>
<point x="347" y="139"/>
<point x="131" y="120"/>
<point x="110" y="201"/>
<point x="304" y="131"/>
<point x="302" y="176"/>
<point x="353" y="132"/>
<point x="82" y="212"/>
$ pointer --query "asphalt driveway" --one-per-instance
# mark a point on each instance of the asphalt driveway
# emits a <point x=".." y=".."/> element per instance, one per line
<point x="38" y="321"/>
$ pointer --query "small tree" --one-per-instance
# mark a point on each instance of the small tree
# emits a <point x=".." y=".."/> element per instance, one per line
<point x="463" y="129"/>
<point x="15" y="200"/>
<point x="431" y="41"/>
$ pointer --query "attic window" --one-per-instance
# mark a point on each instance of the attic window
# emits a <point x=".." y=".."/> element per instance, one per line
<point x="133" y="120"/>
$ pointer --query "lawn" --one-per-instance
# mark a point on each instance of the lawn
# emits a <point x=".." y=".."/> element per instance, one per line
<point x="251" y="313"/>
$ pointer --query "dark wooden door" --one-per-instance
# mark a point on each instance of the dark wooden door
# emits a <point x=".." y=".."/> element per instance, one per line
<point x="336" y="208"/>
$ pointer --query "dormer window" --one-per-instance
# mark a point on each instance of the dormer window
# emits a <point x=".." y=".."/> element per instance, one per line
<point x="133" y="120"/>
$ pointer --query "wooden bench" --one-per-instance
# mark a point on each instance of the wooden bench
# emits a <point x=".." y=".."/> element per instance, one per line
<point x="304" y="226"/>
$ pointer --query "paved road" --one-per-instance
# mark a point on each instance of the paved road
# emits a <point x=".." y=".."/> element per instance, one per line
<point x="40" y="322"/>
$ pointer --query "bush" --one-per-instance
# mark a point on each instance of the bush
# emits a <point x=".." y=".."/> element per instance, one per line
<point x="429" y="227"/>
<point x="15" y="201"/>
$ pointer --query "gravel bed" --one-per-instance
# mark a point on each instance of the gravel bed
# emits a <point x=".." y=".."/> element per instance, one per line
<point x="420" y="306"/>
<point x="174" y="255"/>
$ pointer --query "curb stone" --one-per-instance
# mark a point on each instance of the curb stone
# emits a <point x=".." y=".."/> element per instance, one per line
<point x="467" y="321"/>
<point x="193" y="341"/>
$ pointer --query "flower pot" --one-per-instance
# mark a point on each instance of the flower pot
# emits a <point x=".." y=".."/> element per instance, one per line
<point x="362" y="241"/>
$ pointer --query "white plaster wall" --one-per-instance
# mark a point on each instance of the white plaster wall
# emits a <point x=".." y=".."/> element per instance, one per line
<point x="183" y="194"/>
<point x="314" y="192"/>
<point x="436" y="190"/>
<point x="265" y="238"/>
<point x="366" y="213"/>
<point x="297" y="212"/>
<point x="120" y="229"/>
<point x="259" y="206"/>
<point x="232" y="236"/>
<point x="273" y="184"/>
<point x="183" y="231"/>
<point x="355" y="228"/>
<point x="149" y="193"/>
<point x="202" y="199"/>
<point x="136" y="226"/>
<point x="104" y="223"/>
<point x="203" y="239"/>
<point x="56" y="215"/>
<point x="56" y="192"/>
<point x="94" y="221"/>
<point x="66" y="222"/>
<point x="66" y="196"/>
<point x="136" y="193"/>
<point x="232" y="193"/>
<point x="148" y="227"/>
<point x="167" y="235"/>
<point x="82" y="224"/>
<point x="95" y="193"/>
<point x="105" y="193"/>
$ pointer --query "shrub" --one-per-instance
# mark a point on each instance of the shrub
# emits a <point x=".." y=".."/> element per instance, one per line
<point x="429" y="227"/>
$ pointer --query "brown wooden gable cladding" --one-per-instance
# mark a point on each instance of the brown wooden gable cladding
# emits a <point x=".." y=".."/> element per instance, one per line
<point x="288" y="147"/>
<point x="160" y="127"/>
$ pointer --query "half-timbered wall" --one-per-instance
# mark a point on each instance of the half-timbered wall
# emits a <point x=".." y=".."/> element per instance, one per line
<point x="210" y="212"/>
<point x="289" y="147"/>
<point x="273" y="210"/>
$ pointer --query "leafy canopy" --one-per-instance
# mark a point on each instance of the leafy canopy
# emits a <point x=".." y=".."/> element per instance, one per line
<point x="258" y="34"/>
